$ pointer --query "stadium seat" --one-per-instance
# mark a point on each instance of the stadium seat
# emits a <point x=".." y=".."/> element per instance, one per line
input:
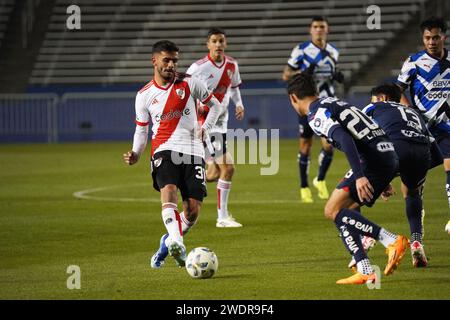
<point x="115" y="43"/>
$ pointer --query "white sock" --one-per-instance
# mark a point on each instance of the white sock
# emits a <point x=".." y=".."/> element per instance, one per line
<point x="386" y="238"/>
<point x="364" y="267"/>
<point x="223" y="190"/>
<point x="172" y="222"/>
<point x="186" y="225"/>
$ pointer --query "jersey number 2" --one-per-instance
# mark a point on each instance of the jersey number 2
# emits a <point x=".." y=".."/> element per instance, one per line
<point x="357" y="116"/>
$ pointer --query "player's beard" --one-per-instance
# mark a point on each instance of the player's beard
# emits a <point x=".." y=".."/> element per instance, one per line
<point x="166" y="74"/>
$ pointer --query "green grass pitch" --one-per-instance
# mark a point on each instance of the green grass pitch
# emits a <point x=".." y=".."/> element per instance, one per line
<point x="286" y="250"/>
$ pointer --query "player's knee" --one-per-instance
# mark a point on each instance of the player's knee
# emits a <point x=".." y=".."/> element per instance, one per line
<point x="229" y="171"/>
<point x="305" y="148"/>
<point x="212" y="176"/>
<point x="169" y="193"/>
<point x="328" y="149"/>
<point x="330" y="211"/>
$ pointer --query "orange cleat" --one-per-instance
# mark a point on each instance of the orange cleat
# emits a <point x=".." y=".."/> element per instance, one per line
<point x="395" y="252"/>
<point x="359" y="278"/>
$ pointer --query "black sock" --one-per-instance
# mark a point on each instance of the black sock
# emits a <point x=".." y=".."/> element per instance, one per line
<point x="325" y="159"/>
<point x="352" y="241"/>
<point x="414" y="215"/>
<point x="357" y="223"/>
<point x="303" y="168"/>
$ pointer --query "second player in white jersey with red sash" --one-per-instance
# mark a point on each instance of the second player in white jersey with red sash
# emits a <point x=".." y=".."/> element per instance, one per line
<point x="221" y="75"/>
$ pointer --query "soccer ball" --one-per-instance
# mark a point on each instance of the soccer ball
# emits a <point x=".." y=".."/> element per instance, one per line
<point x="201" y="263"/>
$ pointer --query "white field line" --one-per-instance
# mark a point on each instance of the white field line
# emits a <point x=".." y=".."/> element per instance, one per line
<point x="87" y="195"/>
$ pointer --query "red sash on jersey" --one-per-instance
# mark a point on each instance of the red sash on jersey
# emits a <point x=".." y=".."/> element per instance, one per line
<point x="172" y="113"/>
<point x="220" y="91"/>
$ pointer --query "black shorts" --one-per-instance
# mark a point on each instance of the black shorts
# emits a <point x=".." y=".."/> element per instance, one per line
<point x="305" y="130"/>
<point x="187" y="172"/>
<point x="379" y="172"/>
<point x="218" y="145"/>
<point x="414" y="161"/>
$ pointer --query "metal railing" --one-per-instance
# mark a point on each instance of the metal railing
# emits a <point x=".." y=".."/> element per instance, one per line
<point x="110" y="115"/>
<point x="28" y="117"/>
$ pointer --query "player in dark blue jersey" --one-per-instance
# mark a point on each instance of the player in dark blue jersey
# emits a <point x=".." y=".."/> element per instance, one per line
<point x="374" y="164"/>
<point x="318" y="58"/>
<point x="427" y="73"/>
<point x="412" y="142"/>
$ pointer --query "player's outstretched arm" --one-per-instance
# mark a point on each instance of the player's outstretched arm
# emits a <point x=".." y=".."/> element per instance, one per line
<point x="139" y="144"/>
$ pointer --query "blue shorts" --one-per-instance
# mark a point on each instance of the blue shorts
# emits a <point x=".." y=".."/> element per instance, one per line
<point x="379" y="172"/>
<point x="304" y="129"/>
<point x="443" y="140"/>
<point x="414" y="161"/>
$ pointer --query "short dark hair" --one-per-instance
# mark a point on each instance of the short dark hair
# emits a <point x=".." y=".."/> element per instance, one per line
<point x="433" y="22"/>
<point x="164" y="45"/>
<point x="216" y="31"/>
<point x="318" y="18"/>
<point x="302" y="85"/>
<point x="391" y="91"/>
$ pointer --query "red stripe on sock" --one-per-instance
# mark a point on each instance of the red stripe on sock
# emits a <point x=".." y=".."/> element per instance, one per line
<point x="218" y="198"/>
<point x="177" y="216"/>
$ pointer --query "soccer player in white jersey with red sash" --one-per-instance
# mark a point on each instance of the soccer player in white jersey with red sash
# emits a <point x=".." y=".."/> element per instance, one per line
<point x="221" y="75"/>
<point x="177" y="154"/>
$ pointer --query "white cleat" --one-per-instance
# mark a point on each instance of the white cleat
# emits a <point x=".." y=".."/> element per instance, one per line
<point x="229" y="222"/>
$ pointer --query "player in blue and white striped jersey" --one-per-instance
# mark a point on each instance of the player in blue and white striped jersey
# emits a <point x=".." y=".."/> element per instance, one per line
<point x="318" y="58"/>
<point x="427" y="73"/>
